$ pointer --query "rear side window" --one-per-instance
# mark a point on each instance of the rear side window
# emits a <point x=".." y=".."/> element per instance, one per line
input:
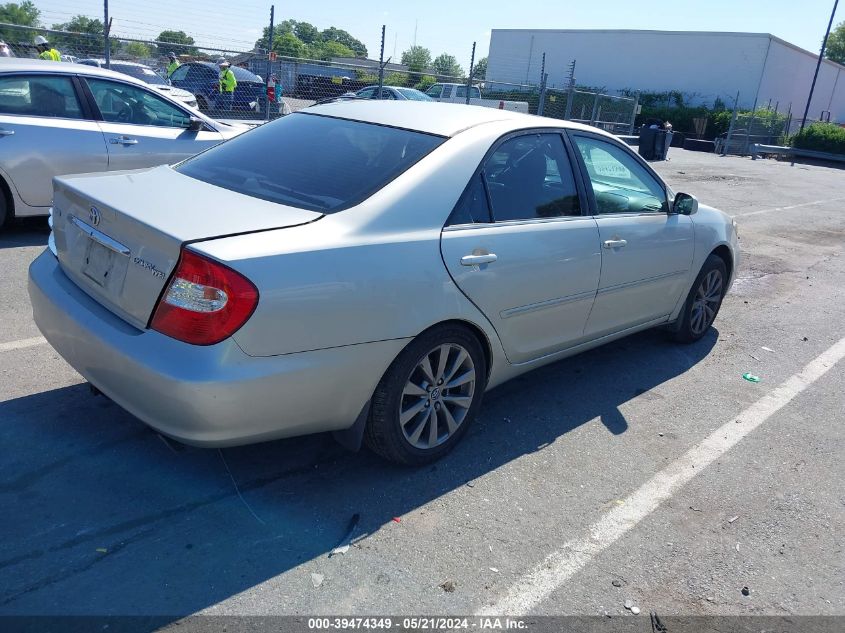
<point x="472" y="207"/>
<point x="312" y="162"/>
<point x="39" y="95"/>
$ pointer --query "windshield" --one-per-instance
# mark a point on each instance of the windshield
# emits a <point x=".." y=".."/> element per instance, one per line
<point x="414" y="95"/>
<point x="145" y="74"/>
<point x="312" y="162"/>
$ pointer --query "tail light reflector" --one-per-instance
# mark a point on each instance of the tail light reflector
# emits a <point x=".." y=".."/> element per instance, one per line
<point x="205" y="302"/>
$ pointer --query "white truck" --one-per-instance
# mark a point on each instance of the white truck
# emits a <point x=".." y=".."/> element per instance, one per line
<point x="457" y="93"/>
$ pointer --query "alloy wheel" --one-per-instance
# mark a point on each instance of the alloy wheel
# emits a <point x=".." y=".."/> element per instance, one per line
<point x="706" y="302"/>
<point x="437" y="396"/>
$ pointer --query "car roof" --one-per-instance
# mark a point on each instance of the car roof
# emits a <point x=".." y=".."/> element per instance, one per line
<point x="443" y="119"/>
<point x="13" y="65"/>
<point x="119" y="62"/>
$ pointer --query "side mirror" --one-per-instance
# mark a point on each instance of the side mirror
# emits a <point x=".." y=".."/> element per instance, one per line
<point x="198" y="124"/>
<point x="685" y="204"/>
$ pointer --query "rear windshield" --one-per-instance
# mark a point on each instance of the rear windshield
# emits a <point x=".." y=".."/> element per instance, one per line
<point x="312" y="162"/>
<point x="143" y="73"/>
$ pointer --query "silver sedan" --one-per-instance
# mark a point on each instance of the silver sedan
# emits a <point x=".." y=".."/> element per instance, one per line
<point x="369" y="269"/>
<point x="59" y="118"/>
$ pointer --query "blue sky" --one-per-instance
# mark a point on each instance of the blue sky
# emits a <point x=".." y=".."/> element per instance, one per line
<point x="449" y="25"/>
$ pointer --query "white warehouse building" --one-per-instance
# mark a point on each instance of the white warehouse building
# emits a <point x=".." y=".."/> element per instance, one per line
<point x="702" y="65"/>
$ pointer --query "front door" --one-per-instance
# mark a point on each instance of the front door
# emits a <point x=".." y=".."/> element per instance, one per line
<point x="646" y="251"/>
<point x="519" y="248"/>
<point x="44" y="133"/>
<point x="144" y="130"/>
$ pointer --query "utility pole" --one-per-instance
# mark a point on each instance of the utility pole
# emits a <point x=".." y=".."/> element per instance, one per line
<point x="469" y="78"/>
<point x="416" y="24"/>
<point x="270" y="63"/>
<point x="106" y="29"/>
<point x="818" y="65"/>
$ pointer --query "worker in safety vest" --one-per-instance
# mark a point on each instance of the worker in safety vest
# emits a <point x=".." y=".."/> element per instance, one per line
<point x="173" y="65"/>
<point x="45" y="51"/>
<point x="227" y="85"/>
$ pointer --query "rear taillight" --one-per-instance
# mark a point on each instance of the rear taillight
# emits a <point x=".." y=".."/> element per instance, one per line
<point x="205" y="301"/>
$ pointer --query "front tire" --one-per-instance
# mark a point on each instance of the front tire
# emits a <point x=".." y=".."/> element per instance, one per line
<point x="704" y="300"/>
<point x="428" y="397"/>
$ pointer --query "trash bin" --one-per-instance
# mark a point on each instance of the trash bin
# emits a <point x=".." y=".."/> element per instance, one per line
<point x="648" y="137"/>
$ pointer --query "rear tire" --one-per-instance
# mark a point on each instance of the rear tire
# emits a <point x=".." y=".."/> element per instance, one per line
<point x="428" y="397"/>
<point x="4" y="207"/>
<point x="703" y="302"/>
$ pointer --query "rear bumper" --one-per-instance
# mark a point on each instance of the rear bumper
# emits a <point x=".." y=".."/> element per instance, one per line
<point x="206" y="396"/>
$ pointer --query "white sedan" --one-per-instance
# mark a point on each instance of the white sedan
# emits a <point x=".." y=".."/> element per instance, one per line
<point x="58" y="118"/>
<point x="391" y="262"/>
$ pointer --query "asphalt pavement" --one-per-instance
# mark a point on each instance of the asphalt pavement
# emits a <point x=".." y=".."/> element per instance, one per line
<point x="643" y="471"/>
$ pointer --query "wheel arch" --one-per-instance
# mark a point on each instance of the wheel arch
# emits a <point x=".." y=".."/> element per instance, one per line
<point x="8" y="198"/>
<point x="724" y="253"/>
<point x="483" y="339"/>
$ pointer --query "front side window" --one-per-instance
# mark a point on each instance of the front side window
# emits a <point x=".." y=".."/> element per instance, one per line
<point x="124" y="103"/>
<point x="367" y="93"/>
<point x="435" y="91"/>
<point x="180" y="73"/>
<point x="39" y="95"/>
<point x="620" y="183"/>
<point x="530" y="177"/>
<point x="312" y="162"/>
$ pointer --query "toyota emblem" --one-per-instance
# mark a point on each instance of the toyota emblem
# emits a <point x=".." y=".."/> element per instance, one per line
<point x="94" y="216"/>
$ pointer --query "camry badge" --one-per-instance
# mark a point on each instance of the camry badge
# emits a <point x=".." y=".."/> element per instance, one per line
<point x="94" y="216"/>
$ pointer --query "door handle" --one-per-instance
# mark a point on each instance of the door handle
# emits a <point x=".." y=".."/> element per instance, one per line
<point x="123" y="140"/>
<point x="615" y="243"/>
<point x="475" y="260"/>
<point x="6" y="132"/>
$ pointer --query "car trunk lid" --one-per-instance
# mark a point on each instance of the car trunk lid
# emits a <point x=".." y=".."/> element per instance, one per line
<point x="118" y="236"/>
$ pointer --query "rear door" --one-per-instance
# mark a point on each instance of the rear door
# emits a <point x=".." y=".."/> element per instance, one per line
<point x="520" y="249"/>
<point x="45" y="132"/>
<point x="646" y="251"/>
<point x="143" y="129"/>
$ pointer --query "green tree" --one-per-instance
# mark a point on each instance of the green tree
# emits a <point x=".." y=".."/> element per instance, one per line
<point x="24" y="14"/>
<point x="85" y="37"/>
<point x="306" y="32"/>
<point x="836" y="44"/>
<point x="289" y="45"/>
<point x="177" y="41"/>
<point x="137" y="49"/>
<point x="417" y="58"/>
<point x="327" y="50"/>
<point x="340" y="36"/>
<point x="480" y="70"/>
<point x="396" y="79"/>
<point x="447" y="66"/>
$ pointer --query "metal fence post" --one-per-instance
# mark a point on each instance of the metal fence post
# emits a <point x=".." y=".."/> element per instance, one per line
<point x="106" y="26"/>
<point x="541" y="105"/>
<point x="269" y="65"/>
<point x="469" y="77"/>
<point x="634" y="114"/>
<point x="381" y="64"/>
<point x="571" y="92"/>
<point x="595" y="108"/>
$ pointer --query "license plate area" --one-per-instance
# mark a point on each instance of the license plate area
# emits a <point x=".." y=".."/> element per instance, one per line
<point x="99" y="262"/>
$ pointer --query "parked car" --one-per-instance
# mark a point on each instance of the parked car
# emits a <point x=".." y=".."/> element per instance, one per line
<point x="202" y="80"/>
<point x="148" y="76"/>
<point x="59" y="118"/>
<point x="374" y="278"/>
<point x="396" y="93"/>
<point x="457" y="93"/>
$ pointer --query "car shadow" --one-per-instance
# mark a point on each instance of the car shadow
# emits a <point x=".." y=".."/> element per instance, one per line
<point x="24" y="232"/>
<point x="111" y="519"/>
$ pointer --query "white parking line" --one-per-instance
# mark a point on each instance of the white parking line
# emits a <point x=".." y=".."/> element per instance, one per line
<point x="793" y="206"/>
<point x="560" y="566"/>
<point x="23" y="343"/>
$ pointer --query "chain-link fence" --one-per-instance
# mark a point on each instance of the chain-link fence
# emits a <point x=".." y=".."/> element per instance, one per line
<point x="289" y="84"/>
<point x="764" y="127"/>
